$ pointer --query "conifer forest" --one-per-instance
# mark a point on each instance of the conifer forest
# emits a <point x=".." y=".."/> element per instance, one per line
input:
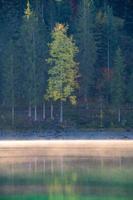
<point x="67" y="63"/>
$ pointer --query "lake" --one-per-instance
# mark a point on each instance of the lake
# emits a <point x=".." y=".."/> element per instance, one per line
<point x="66" y="170"/>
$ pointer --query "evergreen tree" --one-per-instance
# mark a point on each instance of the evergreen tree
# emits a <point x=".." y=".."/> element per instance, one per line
<point x="9" y="77"/>
<point x="63" y="74"/>
<point x="28" y="30"/>
<point x="112" y="37"/>
<point x="117" y="83"/>
<point x="9" y="23"/>
<point x="87" y="47"/>
<point x="31" y="33"/>
<point x="107" y="31"/>
<point x="130" y="88"/>
<point x="41" y="64"/>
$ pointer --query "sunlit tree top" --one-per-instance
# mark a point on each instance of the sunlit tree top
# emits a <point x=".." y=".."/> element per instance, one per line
<point x="28" y="11"/>
<point x="59" y="27"/>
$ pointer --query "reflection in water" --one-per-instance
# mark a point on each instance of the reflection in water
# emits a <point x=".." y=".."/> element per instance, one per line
<point x="102" y="177"/>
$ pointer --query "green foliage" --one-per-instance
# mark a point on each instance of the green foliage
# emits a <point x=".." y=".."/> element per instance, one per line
<point x="63" y="73"/>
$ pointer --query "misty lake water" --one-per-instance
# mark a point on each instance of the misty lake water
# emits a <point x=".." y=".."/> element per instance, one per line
<point x="87" y="170"/>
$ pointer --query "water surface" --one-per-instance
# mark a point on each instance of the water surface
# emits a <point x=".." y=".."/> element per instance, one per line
<point x="66" y="170"/>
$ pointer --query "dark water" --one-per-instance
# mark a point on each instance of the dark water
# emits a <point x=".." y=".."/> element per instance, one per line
<point x="67" y="178"/>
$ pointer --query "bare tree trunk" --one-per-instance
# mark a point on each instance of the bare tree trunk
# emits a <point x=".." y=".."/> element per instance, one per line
<point x="42" y="11"/>
<point x="101" y="117"/>
<point x="52" y="112"/>
<point x="119" y="115"/>
<point x="101" y="112"/>
<point x="61" y="111"/>
<point x="13" y="115"/>
<point x="35" y="113"/>
<point x="44" y="111"/>
<point x="108" y="58"/>
<point x="29" y="111"/>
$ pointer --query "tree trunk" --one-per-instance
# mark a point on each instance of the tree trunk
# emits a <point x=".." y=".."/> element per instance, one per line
<point x="101" y="117"/>
<point x="13" y="114"/>
<point x="35" y="113"/>
<point x="108" y="59"/>
<point x="119" y="115"/>
<point x="101" y="112"/>
<point x="29" y="111"/>
<point x="44" y="111"/>
<point x="61" y="111"/>
<point x="86" y="101"/>
<point x="42" y="11"/>
<point x="52" y="112"/>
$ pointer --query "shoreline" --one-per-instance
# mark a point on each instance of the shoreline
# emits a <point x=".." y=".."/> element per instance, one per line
<point x="67" y="135"/>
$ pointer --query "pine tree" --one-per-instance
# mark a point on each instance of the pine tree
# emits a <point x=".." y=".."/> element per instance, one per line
<point x="107" y="31"/>
<point x="117" y="83"/>
<point x="29" y="32"/>
<point x="63" y="73"/>
<point x="130" y="88"/>
<point x="42" y="37"/>
<point x="87" y="47"/>
<point x="41" y="64"/>
<point x="9" y="85"/>
<point x="9" y="23"/>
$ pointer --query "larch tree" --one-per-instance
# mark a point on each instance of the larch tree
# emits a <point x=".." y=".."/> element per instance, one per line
<point x="118" y="82"/>
<point x="63" y="72"/>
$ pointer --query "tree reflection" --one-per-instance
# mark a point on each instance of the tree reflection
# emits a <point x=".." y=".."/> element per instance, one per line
<point x="63" y="188"/>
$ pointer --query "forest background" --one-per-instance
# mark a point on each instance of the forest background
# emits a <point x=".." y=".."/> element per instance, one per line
<point x="102" y="31"/>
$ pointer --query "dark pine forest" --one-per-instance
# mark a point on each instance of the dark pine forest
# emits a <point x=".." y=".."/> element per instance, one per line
<point x="102" y="30"/>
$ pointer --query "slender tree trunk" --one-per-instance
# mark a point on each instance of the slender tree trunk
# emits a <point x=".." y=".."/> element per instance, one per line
<point x="13" y="115"/>
<point x="42" y="11"/>
<point x="86" y="101"/>
<point x="52" y="111"/>
<point x="35" y="113"/>
<point x="108" y="58"/>
<point x="61" y="111"/>
<point x="101" y="117"/>
<point x="119" y="115"/>
<point x="108" y="68"/>
<point x="44" y="111"/>
<point x="101" y="113"/>
<point x="29" y="111"/>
